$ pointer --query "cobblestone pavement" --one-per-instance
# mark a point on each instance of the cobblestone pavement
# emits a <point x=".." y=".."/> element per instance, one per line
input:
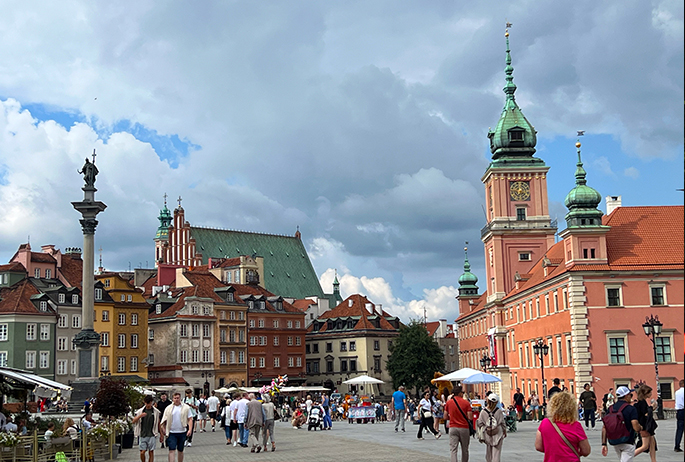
<point x="379" y="442"/>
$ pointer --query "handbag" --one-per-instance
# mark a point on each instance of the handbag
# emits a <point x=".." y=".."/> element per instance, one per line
<point x="563" y="437"/>
<point x="426" y="414"/>
<point x="472" y="432"/>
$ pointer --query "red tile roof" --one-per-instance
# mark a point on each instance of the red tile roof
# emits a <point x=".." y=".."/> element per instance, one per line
<point x="432" y="326"/>
<point x="168" y="381"/>
<point x="249" y="289"/>
<point x="303" y="304"/>
<point x="72" y="269"/>
<point x="14" y="266"/>
<point x="17" y="299"/>
<point x="358" y="309"/>
<point x="41" y="257"/>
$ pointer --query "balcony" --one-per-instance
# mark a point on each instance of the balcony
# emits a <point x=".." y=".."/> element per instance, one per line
<point x="531" y="223"/>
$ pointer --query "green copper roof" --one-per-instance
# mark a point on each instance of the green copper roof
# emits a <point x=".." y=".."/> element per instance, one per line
<point x="582" y="201"/>
<point x="164" y="223"/>
<point x="468" y="280"/>
<point x="513" y="140"/>
<point x="288" y="270"/>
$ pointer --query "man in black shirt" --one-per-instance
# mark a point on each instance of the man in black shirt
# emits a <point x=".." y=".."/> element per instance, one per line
<point x="146" y="428"/>
<point x="554" y="390"/>
<point x="162" y="404"/>
<point x="518" y="403"/>
<point x="588" y="400"/>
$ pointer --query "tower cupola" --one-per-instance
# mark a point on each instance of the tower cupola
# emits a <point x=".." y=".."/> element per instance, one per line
<point x="514" y="138"/>
<point x="582" y="201"/>
<point x="164" y="222"/>
<point x="468" y="280"/>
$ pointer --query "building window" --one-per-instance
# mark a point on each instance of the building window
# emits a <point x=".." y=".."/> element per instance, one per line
<point x="329" y="366"/>
<point x="45" y="331"/>
<point x="122" y="341"/>
<point x="299" y="361"/>
<point x="262" y="340"/>
<point x="343" y="365"/>
<point x="231" y="315"/>
<point x="134" y="363"/>
<point x="104" y="339"/>
<point x="74" y="299"/>
<point x="98" y="294"/>
<point x="290" y="324"/>
<point x="150" y="334"/>
<point x="122" y="319"/>
<point x="231" y="356"/>
<point x="613" y="296"/>
<point x="158" y="308"/>
<point x="353" y="365"/>
<point x="275" y="323"/>
<point x="241" y="357"/>
<point x="290" y="341"/>
<point x="206" y="310"/>
<point x="106" y="283"/>
<point x="30" y="360"/>
<point x="73" y="367"/>
<point x="329" y="347"/>
<point x="297" y="324"/>
<point x="222" y="335"/>
<point x="184" y="330"/>
<point x="277" y="361"/>
<point x="36" y="272"/>
<point x="122" y="297"/>
<point x="353" y="345"/>
<point x="121" y="364"/>
<point x="195" y="309"/>
<point x="62" y="344"/>
<point x="62" y="367"/>
<point x="569" y="352"/>
<point x="276" y="340"/>
<point x="30" y="331"/>
<point x="222" y="357"/>
<point x="104" y="363"/>
<point x="524" y="256"/>
<point x="61" y="298"/>
<point x="377" y="364"/>
<point x="43" y="306"/>
<point x="76" y="321"/>
<point x="231" y="336"/>
<point x="666" y="390"/>
<point x="617" y="350"/>
<point x="663" y="350"/>
<point x="315" y="347"/>
<point x="44" y="360"/>
<point x="184" y="356"/>
<point x="252" y="323"/>
<point x="205" y="356"/>
<point x="134" y="319"/>
<point x="298" y="341"/>
<point x="241" y="335"/>
<point x="343" y="346"/>
<point x="658" y="295"/>
<point x="520" y="214"/>
<point x="261" y="323"/>
<point x="205" y="330"/>
<point x="253" y="362"/>
<point x="105" y="315"/>
<point x="241" y="315"/>
<point x="134" y="340"/>
<point x="262" y="362"/>
<point x="291" y="361"/>
<point x="3" y="333"/>
<point x="196" y="356"/>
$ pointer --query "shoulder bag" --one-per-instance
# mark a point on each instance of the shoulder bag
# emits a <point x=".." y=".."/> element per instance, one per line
<point x="563" y="437"/>
<point x="472" y="432"/>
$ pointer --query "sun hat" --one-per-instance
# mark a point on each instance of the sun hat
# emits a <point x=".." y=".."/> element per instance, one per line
<point x="493" y="397"/>
<point x="623" y="391"/>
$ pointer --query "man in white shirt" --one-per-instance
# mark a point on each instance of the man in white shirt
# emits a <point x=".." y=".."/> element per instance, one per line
<point x="213" y="408"/>
<point x="232" y="411"/>
<point x="10" y="426"/>
<point x="176" y="425"/>
<point x="240" y="414"/>
<point x="192" y="402"/>
<point x="680" y="409"/>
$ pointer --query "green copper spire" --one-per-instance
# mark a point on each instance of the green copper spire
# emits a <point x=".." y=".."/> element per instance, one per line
<point x="164" y="222"/>
<point x="468" y="280"/>
<point x="336" y="289"/>
<point x="513" y="140"/>
<point x="582" y="201"/>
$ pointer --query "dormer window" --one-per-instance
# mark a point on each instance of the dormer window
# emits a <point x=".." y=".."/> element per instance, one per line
<point x="74" y="299"/>
<point x="262" y="305"/>
<point x="158" y="308"/>
<point x="516" y="135"/>
<point x="43" y="306"/>
<point x="230" y="297"/>
<point x="250" y="304"/>
<point x="98" y="294"/>
<point x="62" y="298"/>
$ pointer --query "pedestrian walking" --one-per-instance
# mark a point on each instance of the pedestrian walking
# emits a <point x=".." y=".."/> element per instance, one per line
<point x="588" y="400"/>
<point x="213" y="409"/>
<point x="620" y="426"/>
<point x="254" y="421"/>
<point x="240" y="415"/>
<point x="554" y="390"/>
<point x="326" y="405"/>
<point x="399" y="404"/>
<point x="679" y="415"/>
<point x="202" y="412"/>
<point x="494" y="428"/>
<point x="561" y="436"/>
<point x="460" y="416"/>
<point x="192" y="403"/>
<point x="518" y="404"/>
<point x="645" y="417"/>
<point x="269" y="418"/>
<point x="426" y="416"/>
<point x="176" y="426"/>
<point x="146" y="428"/>
<point x="534" y="406"/>
<point x="438" y="409"/>
<point x="161" y="405"/>
<point x="226" y="421"/>
<point x="235" y="429"/>
<point x="608" y="400"/>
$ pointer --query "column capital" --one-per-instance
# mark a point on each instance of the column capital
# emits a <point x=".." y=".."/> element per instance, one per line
<point x="86" y="339"/>
<point x="88" y="225"/>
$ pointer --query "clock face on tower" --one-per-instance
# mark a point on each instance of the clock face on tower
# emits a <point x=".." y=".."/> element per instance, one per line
<point x="519" y="191"/>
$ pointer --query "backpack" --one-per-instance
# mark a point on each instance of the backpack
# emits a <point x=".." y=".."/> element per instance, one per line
<point x="615" y="426"/>
<point x="203" y="406"/>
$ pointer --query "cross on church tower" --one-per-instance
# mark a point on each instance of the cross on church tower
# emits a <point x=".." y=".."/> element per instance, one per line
<point x="94" y="155"/>
<point x="179" y="201"/>
<point x="165" y="196"/>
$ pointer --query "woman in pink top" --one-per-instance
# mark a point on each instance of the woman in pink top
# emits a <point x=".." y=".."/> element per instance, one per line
<point x="562" y="412"/>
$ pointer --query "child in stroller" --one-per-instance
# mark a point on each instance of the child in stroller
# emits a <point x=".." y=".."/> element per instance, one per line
<point x="315" y="418"/>
<point x="510" y="420"/>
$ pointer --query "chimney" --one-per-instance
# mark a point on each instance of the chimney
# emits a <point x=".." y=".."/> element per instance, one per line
<point x="49" y="249"/>
<point x="613" y="202"/>
<point x="443" y="328"/>
<point x="369" y="308"/>
<point x="349" y="302"/>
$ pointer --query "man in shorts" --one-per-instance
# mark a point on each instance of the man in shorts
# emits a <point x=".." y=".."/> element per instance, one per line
<point x="213" y="408"/>
<point x="146" y="428"/>
<point x="518" y="404"/>
<point x="176" y="425"/>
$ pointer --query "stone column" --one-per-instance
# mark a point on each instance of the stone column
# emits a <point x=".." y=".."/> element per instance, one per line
<point x="87" y="341"/>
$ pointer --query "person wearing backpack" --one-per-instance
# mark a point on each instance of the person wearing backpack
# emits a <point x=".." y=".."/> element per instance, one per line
<point x="561" y="436"/>
<point x="202" y="412"/>
<point x="645" y="416"/>
<point x="620" y="426"/>
<point x="493" y="428"/>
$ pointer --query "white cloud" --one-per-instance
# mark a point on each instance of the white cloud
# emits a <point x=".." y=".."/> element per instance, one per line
<point x="603" y="165"/>
<point x="632" y="172"/>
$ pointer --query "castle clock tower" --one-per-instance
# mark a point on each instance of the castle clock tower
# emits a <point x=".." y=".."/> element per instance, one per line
<point x="518" y="230"/>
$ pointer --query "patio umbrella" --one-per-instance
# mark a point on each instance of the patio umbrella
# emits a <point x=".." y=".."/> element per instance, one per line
<point x="457" y="376"/>
<point x="481" y="377"/>
<point x="362" y="380"/>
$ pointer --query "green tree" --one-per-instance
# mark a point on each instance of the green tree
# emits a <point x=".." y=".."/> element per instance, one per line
<point x="111" y="399"/>
<point x="414" y="357"/>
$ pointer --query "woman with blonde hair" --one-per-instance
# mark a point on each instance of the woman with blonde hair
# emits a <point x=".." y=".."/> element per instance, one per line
<point x="494" y="428"/>
<point x="645" y="416"/>
<point x="560" y="436"/>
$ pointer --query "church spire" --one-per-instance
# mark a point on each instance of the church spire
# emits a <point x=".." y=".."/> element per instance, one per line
<point x="468" y="280"/>
<point x="582" y="201"/>
<point x="164" y="222"/>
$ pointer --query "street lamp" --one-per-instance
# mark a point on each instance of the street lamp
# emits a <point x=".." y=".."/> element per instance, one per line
<point x="485" y="362"/>
<point x="652" y="328"/>
<point x="205" y="386"/>
<point x="541" y="349"/>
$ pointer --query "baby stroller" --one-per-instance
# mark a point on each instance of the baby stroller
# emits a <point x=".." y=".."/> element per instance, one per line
<point x="510" y="420"/>
<point x="314" y="420"/>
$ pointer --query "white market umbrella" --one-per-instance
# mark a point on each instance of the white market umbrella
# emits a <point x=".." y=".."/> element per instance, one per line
<point x="363" y="380"/>
<point x="457" y="376"/>
<point x="225" y="390"/>
<point x="481" y="377"/>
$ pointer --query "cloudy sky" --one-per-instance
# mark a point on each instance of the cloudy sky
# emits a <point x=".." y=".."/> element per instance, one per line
<point x="362" y="122"/>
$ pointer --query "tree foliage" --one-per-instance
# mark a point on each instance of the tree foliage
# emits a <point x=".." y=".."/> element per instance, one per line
<point x="111" y="399"/>
<point x="414" y="357"/>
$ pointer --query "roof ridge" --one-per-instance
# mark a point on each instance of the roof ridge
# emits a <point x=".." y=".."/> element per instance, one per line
<point x="209" y="228"/>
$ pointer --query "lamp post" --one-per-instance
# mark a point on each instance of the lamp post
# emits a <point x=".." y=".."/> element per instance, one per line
<point x="205" y="386"/>
<point x="652" y="328"/>
<point x="541" y="349"/>
<point x="485" y="362"/>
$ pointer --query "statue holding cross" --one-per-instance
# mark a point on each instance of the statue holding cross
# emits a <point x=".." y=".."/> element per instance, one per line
<point x="89" y="171"/>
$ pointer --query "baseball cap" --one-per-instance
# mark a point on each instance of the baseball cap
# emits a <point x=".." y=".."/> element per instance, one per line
<point x="493" y="397"/>
<point x="623" y="391"/>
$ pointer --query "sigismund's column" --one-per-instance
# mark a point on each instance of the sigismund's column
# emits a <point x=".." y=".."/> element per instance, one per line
<point x="87" y="341"/>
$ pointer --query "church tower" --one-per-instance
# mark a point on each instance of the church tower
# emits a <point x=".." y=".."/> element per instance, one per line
<point x="518" y="230"/>
<point x="162" y="236"/>
<point x="468" y="288"/>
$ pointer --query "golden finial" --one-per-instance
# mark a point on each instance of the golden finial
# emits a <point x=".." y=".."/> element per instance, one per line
<point x="578" y="144"/>
<point x="506" y="34"/>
